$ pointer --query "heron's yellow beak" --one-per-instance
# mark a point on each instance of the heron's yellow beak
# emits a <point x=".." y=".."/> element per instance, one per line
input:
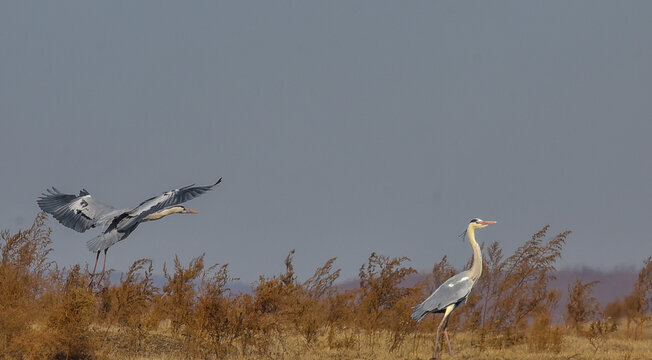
<point x="486" y="222"/>
<point x="188" y="211"/>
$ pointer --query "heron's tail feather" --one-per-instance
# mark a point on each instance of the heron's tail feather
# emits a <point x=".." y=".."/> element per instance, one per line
<point x="419" y="312"/>
<point x="103" y="241"/>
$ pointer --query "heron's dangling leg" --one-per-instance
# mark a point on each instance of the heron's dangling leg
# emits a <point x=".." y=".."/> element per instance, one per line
<point x="444" y="323"/>
<point x="103" y="266"/>
<point x="94" y="267"/>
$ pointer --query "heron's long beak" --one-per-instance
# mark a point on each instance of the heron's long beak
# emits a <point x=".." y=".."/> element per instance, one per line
<point x="486" y="222"/>
<point x="188" y="211"/>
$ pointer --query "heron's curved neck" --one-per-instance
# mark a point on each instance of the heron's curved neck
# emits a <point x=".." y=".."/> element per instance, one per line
<point x="476" y="268"/>
<point x="159" y="214"/>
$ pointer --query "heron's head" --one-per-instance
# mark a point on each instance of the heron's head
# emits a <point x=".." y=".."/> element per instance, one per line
<point x="475" y="224"/>
<point x="479" y="223"/>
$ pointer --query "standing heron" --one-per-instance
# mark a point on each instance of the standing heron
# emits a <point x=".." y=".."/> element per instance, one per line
<point x="455" y="290"/>
<point x="82" y="212"/>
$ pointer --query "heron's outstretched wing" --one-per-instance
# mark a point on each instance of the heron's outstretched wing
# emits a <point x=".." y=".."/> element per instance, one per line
<point x="79" y="212"/>
<point x="165" y="200"/>
<point x="452" y="291"/>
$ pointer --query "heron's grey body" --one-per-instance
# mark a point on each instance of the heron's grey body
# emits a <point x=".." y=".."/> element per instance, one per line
<point x="455" y="290"/>
<point x="82" y="212"/>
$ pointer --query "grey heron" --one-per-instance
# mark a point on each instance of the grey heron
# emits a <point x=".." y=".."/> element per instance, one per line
<point x="455" y="290"/>
<point x="82" y="212"/>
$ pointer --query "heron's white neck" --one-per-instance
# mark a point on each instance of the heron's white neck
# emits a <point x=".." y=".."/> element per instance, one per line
<point x="165" y="212"/>
<point x="476" y="268"/>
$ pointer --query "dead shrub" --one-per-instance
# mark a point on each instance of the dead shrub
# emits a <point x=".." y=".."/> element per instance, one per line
<point x="246" y="325"/>
<point x="340" y="317"/>
<point x="599" y="331"/>
<point x="543" y="336"/>
<point x="178" y="294"/>
<point x="581" y="306"/>
<point x="71" y="318"/>
<point x="379" y="302"/>
<point x="129" y="304"/>
<point x="514" y="290"/>
<point x="614" y="310"/>
<point x="23" y="268"/>
<point x="639" y="303"/>
<point x="309" y="314"/>
<point x="211" y="325"/>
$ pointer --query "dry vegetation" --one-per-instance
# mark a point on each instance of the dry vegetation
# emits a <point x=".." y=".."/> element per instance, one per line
<point x="48" y="312"/>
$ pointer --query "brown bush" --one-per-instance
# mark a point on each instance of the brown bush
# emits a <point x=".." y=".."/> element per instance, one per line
<point x="72" y="316"/>
<point x="638" y="304"/>
<point x="340" y="317"/>
<point x="614" y="310"/>
<point x="381" y="302"/>
<point x="598" y="332"/>
<point x="581" y="306"/>
<point x="309" y="314"/>
<point x="283" y="305"/>
<point x="543" y="336"/>
<point x="23" y="268"/>
<point x="211" y="324"/>
<point x="177" y="300"/>
<point x="129" y="304"/>
<point x="246" y="325"/>
<point x="515" y="290"/>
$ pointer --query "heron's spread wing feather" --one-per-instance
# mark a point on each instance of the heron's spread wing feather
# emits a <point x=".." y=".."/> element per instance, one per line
<point x="165" y="200"/>
<point x="79" y="212"/>
<point x="452" y="291"/>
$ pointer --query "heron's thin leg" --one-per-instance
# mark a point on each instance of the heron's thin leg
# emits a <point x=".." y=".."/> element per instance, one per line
<point x="450" y="350"/>
<point x="434" y="352"/>
<point x="444" y="323"/>
<point x="94" y="267"/>
<point x="103" y="266"/>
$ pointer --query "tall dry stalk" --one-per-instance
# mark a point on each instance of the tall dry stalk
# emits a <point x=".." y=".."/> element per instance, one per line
<point x="515" y="289"/>
<point x="639" y="303"/>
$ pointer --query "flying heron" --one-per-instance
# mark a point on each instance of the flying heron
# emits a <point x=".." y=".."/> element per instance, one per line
<point x="82" y="212"/>
<point x="455" y="290"/>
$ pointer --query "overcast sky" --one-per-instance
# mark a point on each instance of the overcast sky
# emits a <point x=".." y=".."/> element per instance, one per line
<point x="340" y="128"/>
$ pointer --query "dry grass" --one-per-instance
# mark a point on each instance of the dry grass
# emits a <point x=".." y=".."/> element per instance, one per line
<point x="51" y="313"/>
<point x="617" y="347"/>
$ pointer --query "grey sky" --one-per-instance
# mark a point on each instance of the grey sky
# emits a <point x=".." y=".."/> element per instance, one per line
<point x="340" y="128"/>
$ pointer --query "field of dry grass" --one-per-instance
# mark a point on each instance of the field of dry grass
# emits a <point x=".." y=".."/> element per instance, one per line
<point x="617" y="346"/>
<point x="52" y="313"/>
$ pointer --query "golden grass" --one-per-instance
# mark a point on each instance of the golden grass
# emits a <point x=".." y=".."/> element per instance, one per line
<point x="52" y="313"/>
<point x="350" y="345"/>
